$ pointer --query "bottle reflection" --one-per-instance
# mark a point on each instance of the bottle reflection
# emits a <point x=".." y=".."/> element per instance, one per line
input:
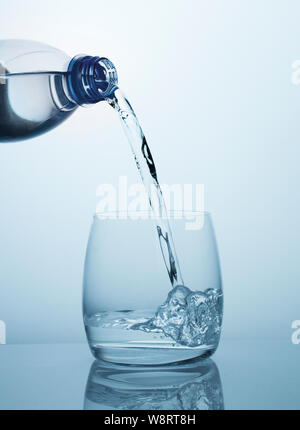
<point x="194" y="385"/>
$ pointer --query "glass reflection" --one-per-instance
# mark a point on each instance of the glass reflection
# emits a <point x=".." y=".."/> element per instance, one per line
<point x="194" y="385"/>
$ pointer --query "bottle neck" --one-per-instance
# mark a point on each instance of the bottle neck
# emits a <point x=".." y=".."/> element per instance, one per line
<point x="91" y="79"/>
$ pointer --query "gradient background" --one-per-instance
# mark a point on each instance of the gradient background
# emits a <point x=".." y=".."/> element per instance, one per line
<point x="211" y="83"/>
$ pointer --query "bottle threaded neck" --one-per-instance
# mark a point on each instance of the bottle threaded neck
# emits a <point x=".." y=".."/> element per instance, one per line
<point x="91" y="79"/>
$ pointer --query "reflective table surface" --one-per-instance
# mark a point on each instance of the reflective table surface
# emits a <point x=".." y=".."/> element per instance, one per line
<point x="241" y="375"/>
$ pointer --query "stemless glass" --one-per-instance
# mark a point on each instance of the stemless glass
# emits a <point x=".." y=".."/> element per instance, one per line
<point x="132" y="314"/>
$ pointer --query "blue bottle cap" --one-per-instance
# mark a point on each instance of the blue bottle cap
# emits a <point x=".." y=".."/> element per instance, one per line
<point x="91" y="79"/>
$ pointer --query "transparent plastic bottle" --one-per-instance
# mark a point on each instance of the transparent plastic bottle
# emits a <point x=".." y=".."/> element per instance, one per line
<point x="41" y="86"/>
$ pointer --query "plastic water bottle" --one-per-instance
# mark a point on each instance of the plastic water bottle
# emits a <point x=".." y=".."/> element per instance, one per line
<point x="41" y="86"/>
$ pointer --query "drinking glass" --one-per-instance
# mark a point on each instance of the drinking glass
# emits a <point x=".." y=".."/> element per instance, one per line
<point x="132" y="313"/>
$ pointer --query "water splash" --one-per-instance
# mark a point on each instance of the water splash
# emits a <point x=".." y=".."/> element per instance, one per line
<point x="190" y="318"/>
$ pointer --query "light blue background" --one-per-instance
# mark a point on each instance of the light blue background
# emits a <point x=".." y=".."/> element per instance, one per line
<point x="211" y="83"/>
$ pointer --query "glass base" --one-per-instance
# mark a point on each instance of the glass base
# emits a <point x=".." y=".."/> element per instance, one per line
<point x="149" y="355"/>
